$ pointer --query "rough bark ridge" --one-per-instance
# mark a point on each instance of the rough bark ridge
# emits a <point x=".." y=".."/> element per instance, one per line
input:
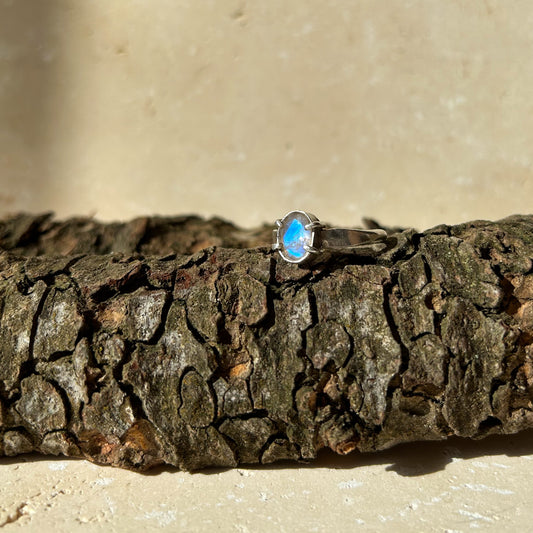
<point x="228" y="355"/>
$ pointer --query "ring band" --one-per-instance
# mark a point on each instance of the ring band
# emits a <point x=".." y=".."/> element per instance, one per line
<point x="299" y="237"/>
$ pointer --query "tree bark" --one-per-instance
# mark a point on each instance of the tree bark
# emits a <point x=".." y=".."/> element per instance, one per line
<point x="188" y="342"/>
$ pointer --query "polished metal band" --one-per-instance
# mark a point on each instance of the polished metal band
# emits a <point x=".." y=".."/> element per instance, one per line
<point x="345" y="239"/>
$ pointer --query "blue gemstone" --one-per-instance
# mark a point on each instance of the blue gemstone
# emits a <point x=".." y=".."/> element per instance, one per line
<point x="294" y="239"/>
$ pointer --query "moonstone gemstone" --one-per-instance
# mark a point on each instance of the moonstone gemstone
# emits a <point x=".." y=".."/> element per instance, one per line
<point x="295" y="236"/>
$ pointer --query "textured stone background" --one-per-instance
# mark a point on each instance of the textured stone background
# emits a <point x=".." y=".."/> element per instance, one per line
<point x="414" y="112"/>
<point x="248" y="109"/>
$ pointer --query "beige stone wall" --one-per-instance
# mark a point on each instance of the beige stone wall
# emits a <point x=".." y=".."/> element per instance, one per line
<point x="415" y="112"/>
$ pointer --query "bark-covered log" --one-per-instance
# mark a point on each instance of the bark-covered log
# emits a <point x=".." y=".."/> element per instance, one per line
<point x="133" y="345"/>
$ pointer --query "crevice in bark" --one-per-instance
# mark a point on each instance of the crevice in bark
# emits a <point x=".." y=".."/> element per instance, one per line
<point x="187" y="370"/>
<point x="395" y="381"/>
<point x="160" y="330"/>
<point x="35" y="323"/>
<point x="127" y="388"/>
<point x="268" y="443"/>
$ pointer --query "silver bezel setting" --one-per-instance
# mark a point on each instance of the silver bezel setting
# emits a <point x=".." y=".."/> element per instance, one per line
<point x="313" y="224"/>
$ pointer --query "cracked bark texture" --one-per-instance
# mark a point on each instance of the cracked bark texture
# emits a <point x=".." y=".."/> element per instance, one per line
<point x="187" y="342"/>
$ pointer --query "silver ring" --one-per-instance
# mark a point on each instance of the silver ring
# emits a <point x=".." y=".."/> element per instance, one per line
<point x="299" y="237"/>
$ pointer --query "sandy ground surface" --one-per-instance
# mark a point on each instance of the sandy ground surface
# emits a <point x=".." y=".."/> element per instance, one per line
<point x="413" y="112"/>
<point x="458" y="485"/>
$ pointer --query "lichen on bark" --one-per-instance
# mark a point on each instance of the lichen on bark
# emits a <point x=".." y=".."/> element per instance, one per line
<point x="188" y="342"/>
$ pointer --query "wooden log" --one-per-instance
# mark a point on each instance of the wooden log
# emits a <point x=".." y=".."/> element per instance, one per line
<point x="188" y="342"/>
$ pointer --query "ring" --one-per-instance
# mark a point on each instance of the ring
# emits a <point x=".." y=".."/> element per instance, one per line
<point x="299" y="237"/>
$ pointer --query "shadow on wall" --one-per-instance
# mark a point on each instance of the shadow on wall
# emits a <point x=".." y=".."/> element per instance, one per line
<point x="27" y="67"/>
